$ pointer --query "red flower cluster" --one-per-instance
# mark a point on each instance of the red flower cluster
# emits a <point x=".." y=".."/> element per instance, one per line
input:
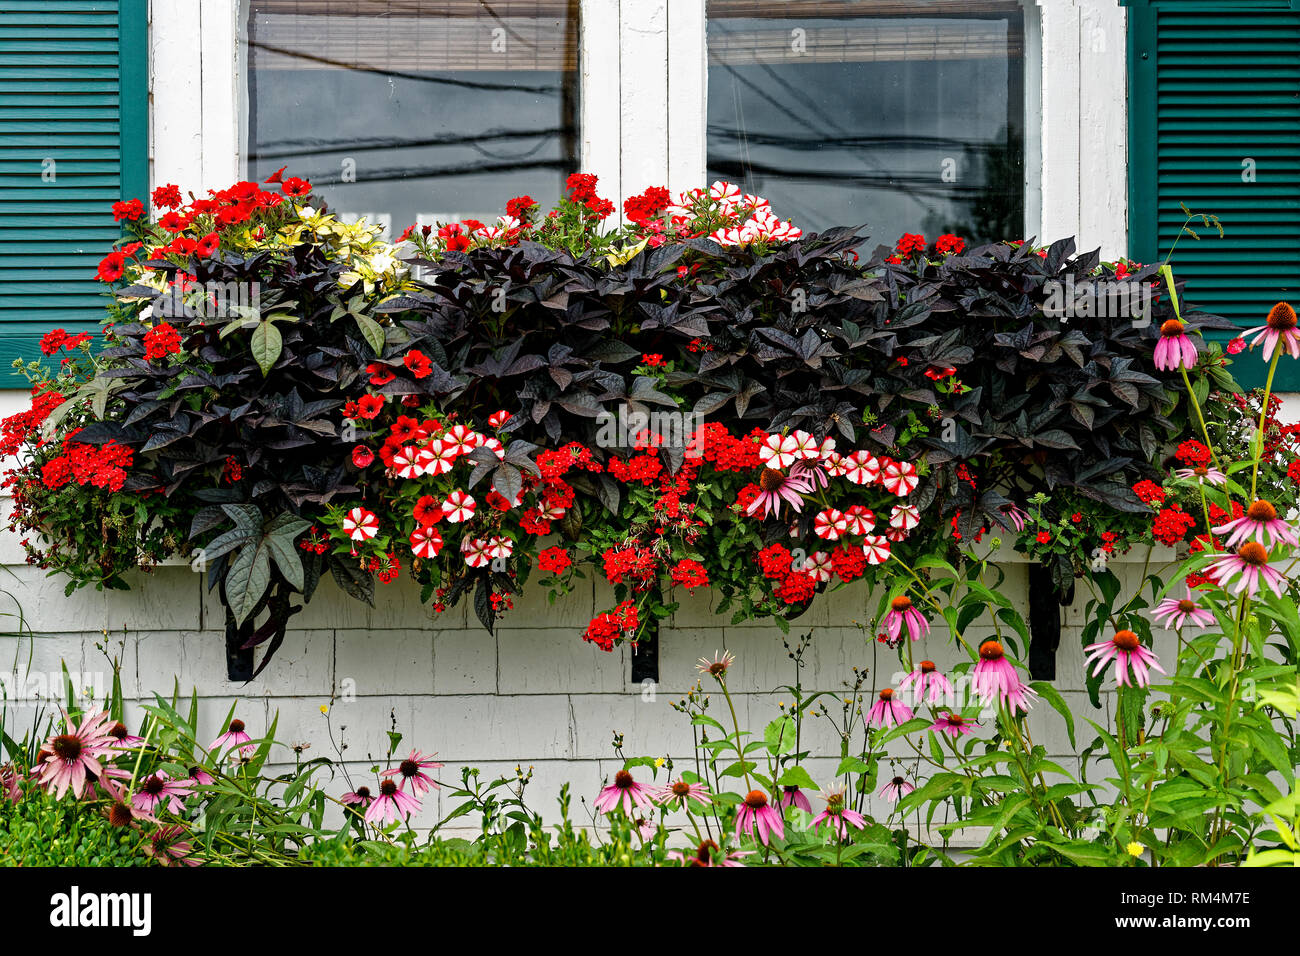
<point x="606" y="628"/>
<point x="167" y="197"/>
<point x="949" y="243"/>
<point x="640" y="209"/>
<point x="1172" y="524"/>
<point x="520" y="207"/>
<point x="582" y="189"/>
<point x="1150" y="492"/>
<point x="100" y="466"/>
<point x="634" y="562"/>
<point x="1193" y="454"/>
<point x="56" y="339"/>
<point x="690" y="574"/>
<point x="555" y="560"/>
<point x="132" y="209"/>
<point x="18" y="428"/>
<point x="161" y="341"/>
<point x="911" y="244"/>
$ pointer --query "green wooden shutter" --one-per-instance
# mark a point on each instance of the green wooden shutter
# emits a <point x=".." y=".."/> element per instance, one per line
<point x="1214" y="84"/>
<point x="73" y="140"/>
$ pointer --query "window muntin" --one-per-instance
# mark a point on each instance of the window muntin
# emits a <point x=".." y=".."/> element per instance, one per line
<point x="411" y="110"/>
<point x="905" y="115"/>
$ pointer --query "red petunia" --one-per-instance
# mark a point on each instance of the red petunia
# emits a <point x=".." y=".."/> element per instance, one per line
<point x="362" y="456"/>
<point x="428" y="511"/>
<point x="369" y="406"/>
<point x="379" y="374"/>
<point x="293" y="186"/>
<point x="419" y="363"/>
<point x="111" y="267"/>
<point x="208" y="245"/>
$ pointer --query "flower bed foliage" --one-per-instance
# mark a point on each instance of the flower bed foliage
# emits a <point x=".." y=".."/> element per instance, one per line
<point x="700" y="398"/>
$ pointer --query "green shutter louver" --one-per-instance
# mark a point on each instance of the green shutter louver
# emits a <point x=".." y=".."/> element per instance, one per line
<point x="73" y="140"/>
<point x="1214" y="121"/>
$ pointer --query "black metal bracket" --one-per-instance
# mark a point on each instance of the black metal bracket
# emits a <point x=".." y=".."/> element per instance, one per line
<point x="645" y="657"/>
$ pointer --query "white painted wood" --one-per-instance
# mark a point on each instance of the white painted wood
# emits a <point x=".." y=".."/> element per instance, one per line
<point x="1033" y="64"/>
<point x="600" y="92"/>
<point x="688" y="94"/>
<point x="1103" y="128"/>
<point x="643" y="67"/>
<point x="221" y="160"/>
<point x="176" y="82"/>
<point x="1060" y="118"/>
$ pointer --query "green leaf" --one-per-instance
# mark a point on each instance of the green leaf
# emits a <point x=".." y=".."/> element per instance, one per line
<point x="780" y="735"/>
<point x="372" y="331"/>
<point x="266" y="345"/>
<point x="247" y="579"/>
<point x="1053" y="697"/>
<point x="797" y="777"/>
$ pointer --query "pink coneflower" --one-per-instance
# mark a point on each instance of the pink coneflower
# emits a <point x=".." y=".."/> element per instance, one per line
<point x="902" y="612"/>
<point x="625" y="791"/>
<point x="391" y="804"/>
<point x="1125" y="649"/>
<point x="887" y="712"/>
<point x="412" y="771"/>
<point x="125" y="740"/>
<point x="1177" y="612"/>
<point x="158" y="788"/>
<point x="68" y="758"/>
<point x="954" y="725"/>
<point x="794" y="797"/>
<point x="1017" y="516"/>
<point x="233" y="737"/>
<point x="10" y="783"/>
<point x="837" y="816"/>
<point x="1278" y="328"/>
<point x="927" y="682"/>
<point x="201" y="777"/>
<point x="756" y="814"/>
<point x="168" y="848"/>
<point x="809" y="473"/>
<point x="1175" y="349"/>
<point x="680" y="792"/>
<point x="1251" y="563"/>
<point x="897" y="789"/>
<point x="996" y="679"/>
<point x="1261" y="523"/>
<point x="704" y="856"/>
<point x="774" y="487"/>
<point x="122" y="810"/>
<point x="722" y="661"/>
<point x="644" y="829"/>
<point x="360" y="797"/>
<point x="1202" y="473"/>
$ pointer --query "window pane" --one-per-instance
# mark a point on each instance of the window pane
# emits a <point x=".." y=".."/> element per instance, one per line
<point x="905" y="116"/>
<point x="402" y="110"/>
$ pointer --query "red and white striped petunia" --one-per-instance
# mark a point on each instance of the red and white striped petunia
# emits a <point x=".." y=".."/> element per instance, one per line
<point x="904" y="517"/>
<point x="426" y="542"/>
<point x="859" y="519"/>
<point x="475" y="551"/>
<point x="861" y="467"/>
<point x="830" y="524"/>
<point x="876" y="548"/>
<point x="835" y="464"/>
<point x="551" y="512"/>
<point x="497" y="448"/>
<point x="805" y="446"/>
<point x="499" y="546"/>
<point x="462" y="438"/>
<point x="438" y="457"/>
<point x="360" y="524"/>
<point x="459" y="507"/>
<point x="818" y="564"/>
<point x="900" y="478"/>
<point x="406" y="462"/>
<point x="778" y="451"/>
<point x="826" y="450"/>
<point x="497" y="419"/>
